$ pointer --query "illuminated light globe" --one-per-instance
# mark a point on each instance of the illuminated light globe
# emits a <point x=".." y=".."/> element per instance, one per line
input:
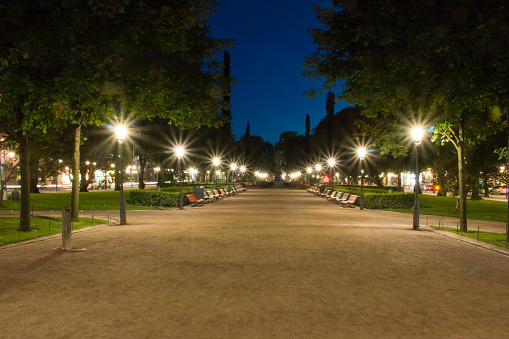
<point x="121" y="132"/>
<point x="417" y="133"/>
<point x="179" y="151"/>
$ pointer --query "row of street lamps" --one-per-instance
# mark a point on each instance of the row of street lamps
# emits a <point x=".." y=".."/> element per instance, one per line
<point x="417" y="134"/>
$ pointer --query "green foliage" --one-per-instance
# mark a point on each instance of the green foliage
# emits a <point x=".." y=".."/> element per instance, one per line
<point x="151" y="198"/>
<point x="385" y="201"/>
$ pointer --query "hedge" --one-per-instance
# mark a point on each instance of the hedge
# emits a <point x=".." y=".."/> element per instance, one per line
<point x="391" y="200"/>
<point x="151" y="198"/>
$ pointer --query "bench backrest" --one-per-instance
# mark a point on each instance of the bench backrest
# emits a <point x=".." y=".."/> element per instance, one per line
<point x="352" y="198"/>
<point x="191" y="197"/>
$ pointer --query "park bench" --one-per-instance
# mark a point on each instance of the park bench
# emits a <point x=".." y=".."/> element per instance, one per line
<point x="208" y="196"/>
<point x="339" y="198"/>
<point x="336" y="197"/>
<point x="194" y="201"/>
<point x="212" y="196"/>
<point x="325" y="193"/>
<point x="350" y="202"/>
<point x="217" y="194"/>
<point x="225" y="192"/>
<point x="332" y="195"/>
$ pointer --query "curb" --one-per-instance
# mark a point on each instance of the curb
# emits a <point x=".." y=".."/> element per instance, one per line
<point x="467" y="240"/>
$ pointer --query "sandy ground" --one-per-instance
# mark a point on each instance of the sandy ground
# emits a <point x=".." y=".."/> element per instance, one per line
<point x="264" y="264"/>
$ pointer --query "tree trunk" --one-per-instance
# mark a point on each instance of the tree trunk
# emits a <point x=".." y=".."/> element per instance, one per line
<point x="461" y="178"/>
<point x="84" y="181"/>
<point x="34" y="175"/>
<point x="486" y="186"/>
<point x="75" y="192"/>
<point x="141" y="175"/>
<point x="24" y="171"/>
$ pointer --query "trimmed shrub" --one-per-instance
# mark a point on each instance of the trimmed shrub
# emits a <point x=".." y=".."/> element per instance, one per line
<point x="152" y="198"/>
<point x="384" y="201"/>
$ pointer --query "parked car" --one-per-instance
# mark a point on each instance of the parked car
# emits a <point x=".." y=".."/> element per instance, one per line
<point x="499" y="190"/>
<point x="426" y="186"/>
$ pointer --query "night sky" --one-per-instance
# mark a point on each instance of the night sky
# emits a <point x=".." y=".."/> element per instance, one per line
<point x="271" y="42"/>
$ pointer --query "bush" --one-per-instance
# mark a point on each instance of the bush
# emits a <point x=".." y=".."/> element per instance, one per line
<point x="384" y="201"/>
<point x="152" y="198"/>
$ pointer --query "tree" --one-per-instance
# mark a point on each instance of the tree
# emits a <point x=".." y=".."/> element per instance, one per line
<point x="423" y="60"/>
<point x="145" y="58"/>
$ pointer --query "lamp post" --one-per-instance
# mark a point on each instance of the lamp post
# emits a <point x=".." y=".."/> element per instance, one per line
<point x="233" y="168"/>
<point x="318" y="168"/>
<point x="156" y="171"/>
<point x="243" y="170"/>
<point x="417" y="133"/>
<point x="331" y="163"/>
<point x="216" y="162"/>
<point x="180" y="153"/>
<point x="309" y="170"/>
<point x="361" y="152"/>
<point x="121" y="134"/>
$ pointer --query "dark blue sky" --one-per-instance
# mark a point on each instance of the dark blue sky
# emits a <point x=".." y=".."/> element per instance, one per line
<point x="271" y="42"/>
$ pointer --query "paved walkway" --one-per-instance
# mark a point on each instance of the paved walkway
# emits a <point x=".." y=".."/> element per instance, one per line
<point x="264" y="264"/>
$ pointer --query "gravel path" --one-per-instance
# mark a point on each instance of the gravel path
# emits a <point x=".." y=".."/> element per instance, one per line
<point x="265" y="264"/>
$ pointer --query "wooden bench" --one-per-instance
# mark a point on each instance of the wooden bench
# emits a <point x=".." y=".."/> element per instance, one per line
<point x="325" y="193"/>
<point x="350" y="202"/>
<point x="194" y="201"/>
<point x="332" y="195"/>
<point x="341" y="197"/>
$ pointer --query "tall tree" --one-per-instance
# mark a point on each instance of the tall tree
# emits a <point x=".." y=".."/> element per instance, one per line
<point x="425" y="61"/>
<point x="330" y="101"/>
<point x="226" y="136"/>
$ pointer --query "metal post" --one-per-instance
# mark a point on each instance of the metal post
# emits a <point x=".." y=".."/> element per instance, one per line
<point x="416" y="187"/>
<point x="122" y="206"/>
<point x="181" y="197"/>
<point x="361" y="202"/>
<point x="332" y="179"/>
<point x="216" y="179"/>
<point x="66" y="229"/>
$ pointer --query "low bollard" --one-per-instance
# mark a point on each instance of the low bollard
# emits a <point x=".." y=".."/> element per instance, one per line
<point x="66" y="230"/>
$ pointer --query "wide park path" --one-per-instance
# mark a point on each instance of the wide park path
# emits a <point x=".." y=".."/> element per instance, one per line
<point x="268" y="263"/>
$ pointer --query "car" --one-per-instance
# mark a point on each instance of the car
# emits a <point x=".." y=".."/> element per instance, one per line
<point x="499" y="190"/>
<point x="426" y="186"/>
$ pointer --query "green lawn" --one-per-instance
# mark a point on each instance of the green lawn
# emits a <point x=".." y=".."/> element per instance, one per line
<point x="492" y="238"/>
<point x="40" y="227"/>
<point x="103" y="200"/>
<point x="445" y="206"/>
<point x="99" y="200"/>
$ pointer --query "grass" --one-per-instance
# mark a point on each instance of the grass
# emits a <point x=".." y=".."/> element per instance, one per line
<point x="491" y="238"/>
<point x="40" y="227"/>
<point x="445" y="206"/>
<point x="103" y="200"/>
<point x="99" y="200"/>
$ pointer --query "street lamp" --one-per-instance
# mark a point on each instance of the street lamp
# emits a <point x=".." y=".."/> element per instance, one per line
<point x="180" y="153"/>
<point x="156" y="171"/>
<point x="233" y="168"/>
<point x="361" y="152"/>
<point x="216" y="161"/>
<point x="121" y="134"/>
<point x="318" y="168"/>
<point x="331" y="163"/>
<point x="309" y="170"/>
<point x="417" y="133"/>
<point x="243" y="170"/>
